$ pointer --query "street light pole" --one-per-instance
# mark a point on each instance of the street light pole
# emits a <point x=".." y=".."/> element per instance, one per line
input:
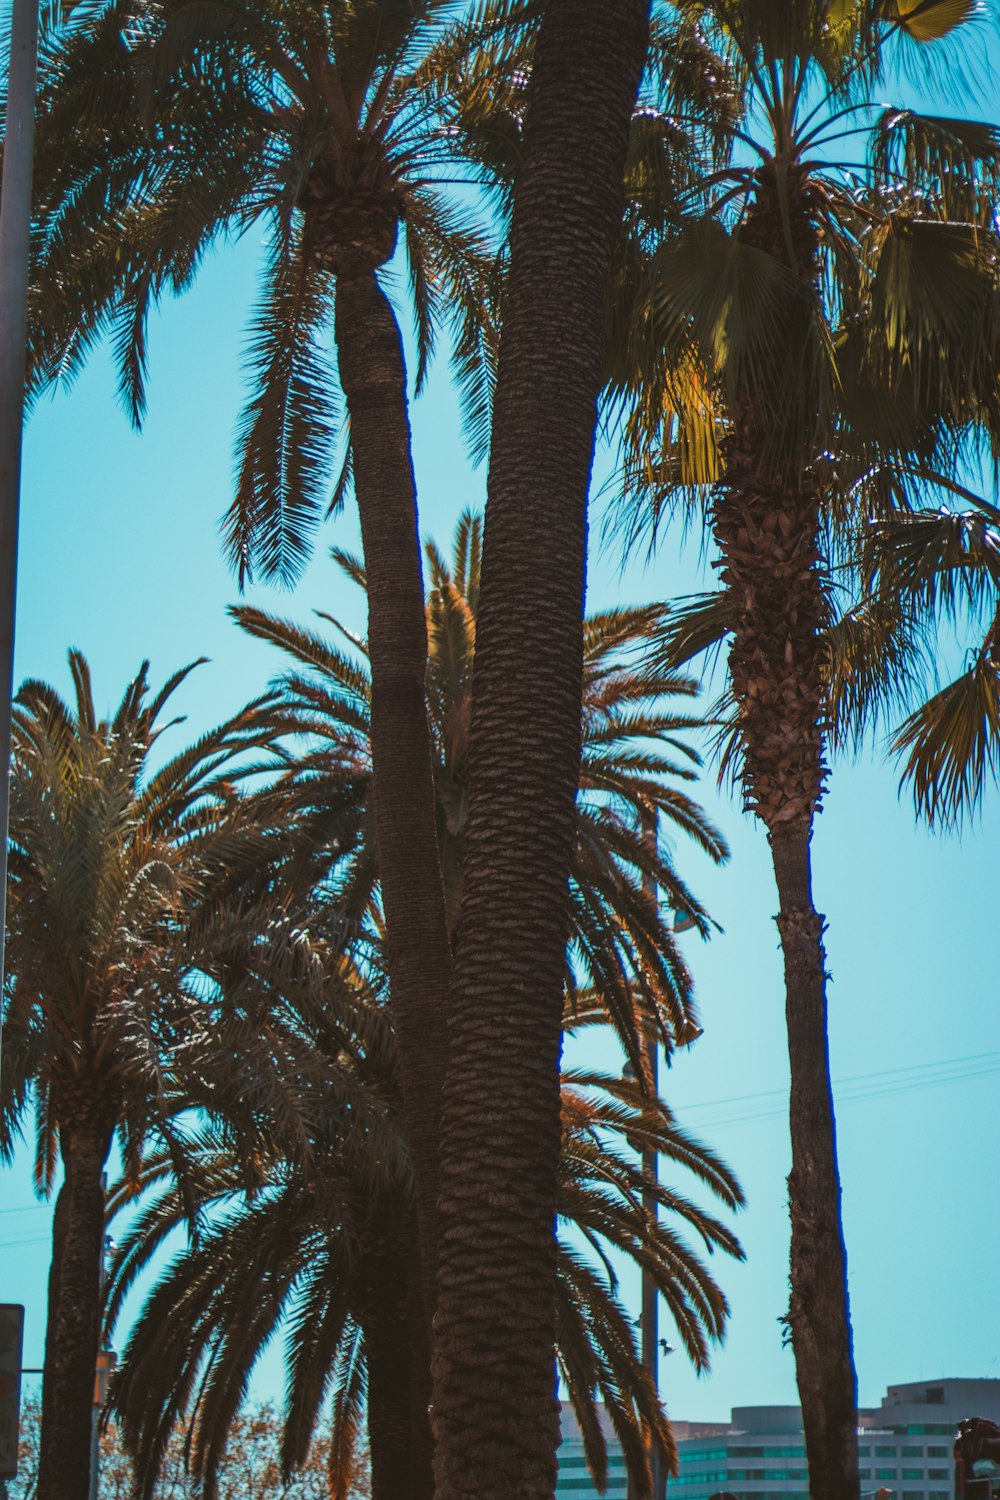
<point x="649" y="1320"/>
<point x="649" y="1326"/>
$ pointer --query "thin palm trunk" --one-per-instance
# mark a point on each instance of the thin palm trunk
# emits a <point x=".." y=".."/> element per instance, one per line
<point x="72" y="1335"/>
<point x="495" y="1413"/>
<point x="819" y="1316"/>
<point x="373" y="376"/>
<point x="769" y="544"/>
<point x="767" y="525"/>
<point x="398" y="1363"/>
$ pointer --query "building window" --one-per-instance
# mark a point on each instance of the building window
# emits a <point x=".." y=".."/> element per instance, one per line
<point x="912" y="1474"/>
<point x="937" y="1453"/>
<point x="885" y="1473"/>
<point x="935" y="1395"/>
<point x="938" y="1474"/>
<point x="864" y="1451"/>
<point x="885" y="1453"/>
<point x="912" y="1452"/>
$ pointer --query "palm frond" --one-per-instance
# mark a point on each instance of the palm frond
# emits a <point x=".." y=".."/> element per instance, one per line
<point x="950" y="747"/>
<point x="287" y="432"/>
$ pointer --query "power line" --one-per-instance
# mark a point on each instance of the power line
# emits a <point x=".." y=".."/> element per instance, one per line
<point x="770" y="1104"/>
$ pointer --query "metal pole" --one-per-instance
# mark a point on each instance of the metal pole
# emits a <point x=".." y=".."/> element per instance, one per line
<point x="15" y="225"/>
<point x="649" y="1321"/>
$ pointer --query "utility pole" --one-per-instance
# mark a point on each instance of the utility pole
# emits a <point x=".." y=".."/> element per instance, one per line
<point x="15" y="226"/>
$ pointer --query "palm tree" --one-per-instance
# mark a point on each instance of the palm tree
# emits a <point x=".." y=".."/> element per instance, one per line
<point x="304" y="1252"/>
<point x="622" y="963"/>
<point x="163" y="129"/>
<point x="812" y="347"/>
<point x="134" y="974"/>
<point x="495" y="1416"/>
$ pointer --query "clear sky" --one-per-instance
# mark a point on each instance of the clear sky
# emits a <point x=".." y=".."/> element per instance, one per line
<point x="120" y="556"/>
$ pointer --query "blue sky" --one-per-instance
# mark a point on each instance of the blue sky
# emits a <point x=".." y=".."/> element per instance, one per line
<point x="120" y="556"/>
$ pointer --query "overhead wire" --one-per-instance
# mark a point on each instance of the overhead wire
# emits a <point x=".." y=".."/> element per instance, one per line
<point x="886" y="1082"/>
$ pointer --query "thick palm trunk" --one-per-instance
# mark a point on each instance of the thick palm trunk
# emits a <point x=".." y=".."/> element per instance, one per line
<point x="72" y="1336"/>
<point x="373" y="376"/>
<point x="767" y="527"/>
<point x="495" y="1413"/>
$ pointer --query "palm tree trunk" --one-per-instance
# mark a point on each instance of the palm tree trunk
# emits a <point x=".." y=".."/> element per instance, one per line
<point x="494" y="1408"/>
<point x="15" y="225"/>
<point x="819" y="1315"/>
<point x="768" y="535"/>
<point x="373" y="376"/>
<point x="398" y="1361"/>
<point x="767" y="524"/>
<point x="72" y="1335"/>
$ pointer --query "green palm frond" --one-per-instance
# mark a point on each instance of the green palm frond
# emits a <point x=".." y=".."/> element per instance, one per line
<point x="636" y="750"/>
<point x="287" y="1254"/>
<point x="287" y="432"/>
<point x="727" y="297"/>
<point x="147" y="947"/>
<point x="873" y="656"/>
<point x="952" y="162"/>
<point x="950" y="747"/>
<point x="933" y="307"/>
<point x="929" y="20"/>
<point x="941" y="560"/>
<point x="690" y="627"/>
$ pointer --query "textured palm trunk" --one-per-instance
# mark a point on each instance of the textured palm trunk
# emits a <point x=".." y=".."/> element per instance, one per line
<point x="494" y="1407"/>
<point x="398" y="1362"/>
<point x="767" y="524"/>
<point x="72" y="1335"/>
<point x="373" y="377"/>
<point x="819" y="1315"/>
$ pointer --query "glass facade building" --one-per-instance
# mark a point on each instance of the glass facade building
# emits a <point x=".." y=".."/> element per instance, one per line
<point x="904" y="1445"/>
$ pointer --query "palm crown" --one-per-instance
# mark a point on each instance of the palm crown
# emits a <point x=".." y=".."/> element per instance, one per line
<point x="152" y="969"/>
<point x="132" y="967"/>
<point x="165" y="127"/>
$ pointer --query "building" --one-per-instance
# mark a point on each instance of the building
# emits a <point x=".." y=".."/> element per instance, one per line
<point x="904" y="1445"/>
<point x="574" y="1481"/>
